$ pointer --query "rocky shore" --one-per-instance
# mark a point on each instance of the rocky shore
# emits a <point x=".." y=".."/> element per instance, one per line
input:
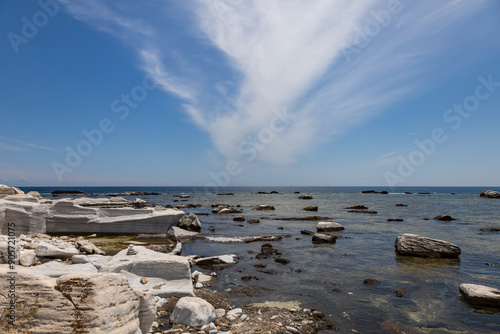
<point x="64" y="283"/>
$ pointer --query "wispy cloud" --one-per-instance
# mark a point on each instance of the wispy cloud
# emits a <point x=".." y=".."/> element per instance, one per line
<point x="18" y="145"/>
<point x="267" y="55"/>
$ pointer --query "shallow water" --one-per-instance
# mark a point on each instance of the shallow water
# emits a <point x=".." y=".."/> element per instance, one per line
<point x="365" y="250"/>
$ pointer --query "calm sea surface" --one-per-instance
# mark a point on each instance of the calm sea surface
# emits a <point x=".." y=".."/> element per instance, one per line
<point x="365" y="250"/>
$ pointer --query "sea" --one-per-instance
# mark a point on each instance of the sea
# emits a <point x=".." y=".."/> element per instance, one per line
<point x="331" y="277"/>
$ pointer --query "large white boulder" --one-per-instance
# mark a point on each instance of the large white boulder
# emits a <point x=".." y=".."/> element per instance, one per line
<point x="416" y="245"/>
<point x="176" y="233"/>
<point x="6" y="190"/>
<point x="24" y="217"/>
<point x="480" y="295"/>
<point x="193" y="311"/>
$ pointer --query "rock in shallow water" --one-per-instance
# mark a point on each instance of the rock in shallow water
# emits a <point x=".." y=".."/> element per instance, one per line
<point x="480" y="295"/>
<point x="329" y="226"/>
<point x="416" y="245"/>
<point x="190" y="223"/>
<point x="490" y="194"/>
<point x="319" y="238"/>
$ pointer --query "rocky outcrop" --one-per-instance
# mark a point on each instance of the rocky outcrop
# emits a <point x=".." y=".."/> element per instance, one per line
<point x="6" y="191"/>
<point x="329" y="227"/>
<point x="27" y="216"/>
<point x="263" y="207"/>
<point x="416" y="245"/>
<point x="44" y="249"/>
<point x="193" y="311"/>
<point x="168" y="275"/>
<point x="57" y="269"/>
<point x="480" y="295"/>
<point x="444" y="218"/>
<point x="76" y="303"/>
<point x="490" y="194"/>
<point x="190" y="223"/>
<point x="305" y="197"/>
<point x="224" y="209"/>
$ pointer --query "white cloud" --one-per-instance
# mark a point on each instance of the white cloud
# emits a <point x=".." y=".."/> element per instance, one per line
<point x="286" y="54"/>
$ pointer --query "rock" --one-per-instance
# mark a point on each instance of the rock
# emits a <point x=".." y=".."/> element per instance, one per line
<point x="395" y="220"/>
<point x="292" y="330"/>
<point x="246" y="277"/>
<point x="370" y="281"/>
<point x="221" y="260"/>
<point x="98" y="260"/>
<point x="68" y="217"/>
<point x="319" y="238"/>
<point x="176" y="233"/>
<point x="363" y="211"/>
<point x="480" y="295"/>
<point x="399" y="204"/>
<point x="160" y="287"/>
<point x="64" y="192"/>
<point x="28" y="217"/>
<point x="190" y="223"/>
<point x="444" y="218"/>
<point x="416" y="245"/>
<point x="224" y="209"/>
<point x="27" y="257"/>
<point x="193" y="311"/>
<point x="253" y="221"/>
<point x="311" y="208"/>
<point x="237" y="311"/>
<point x="9" y="251"/>
<point x="147" y="309"/>
<point x="263" y="207"/>
<point x="307" y="232"/>
<point x="88" y="248"/>
<point x="305" y="197"/>
<point x="143" y="280"/>
<point x="357" y="207"/>
<point x="374" y="192"/>
<point x="493" y="229"/>
<point x="90" y="296"/>
<point x="6" y="191"/>
<point x="329" y="227"/>
<point x="220" y="312"/>
<point x="400" y="293"/>
<point x="44" y="249"/>
<point x="281" y="260"/>
<point x="57" y="269"/>
<point x="490" y="194"/>
<point x="239" y="219"/>
<point x="80" y="259"/>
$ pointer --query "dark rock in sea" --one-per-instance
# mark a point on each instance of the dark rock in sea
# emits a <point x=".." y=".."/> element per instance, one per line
<point x="246" y="277"/>
<point x="274" y="192"/>
<point x="395" y="220"/>
<point x="253" y="221"/>
<point x="169" y="206"/>
<point x="371" y="281"/>
<point x="357" y="207"/>
<point x="480" y="295"/>
<point x="400" y="293"/>
<point x="492" y="264"/>
<point x="308" y="218"/>
<point x="311" y="208"/>
<point x="267" y="193"/>
<point x="374" y="192"/>
<point x="297" y="192"/>
<point x="305" y="197"/>
<point x="425" y="219"/>
<point x="444" y="218"/>
<point x="490" y="194"/>
<point x="225" y="194"/>
<point x="416" y="245"/>
<point x="269" y="272"/>
<point x="266" y="250"/>
<point x="401" y="204"/>
<point x="363" y="211"/>
<point x="335" y="289"/>
<point x="424" y="193"/>
<point x="259" y="265"/>
<point x="281" y="260"/>
<point x="493" y="229"/>
<point x="190" y="223"/>
<point x="319" y="238"/>
<point x="280" y="227"/>
<point x="239" y="219"/>
<point x="263" y="207"/>
<point x="62" y="192"/>
<point x="408" y="193"/>
<point x="306" y="232"/>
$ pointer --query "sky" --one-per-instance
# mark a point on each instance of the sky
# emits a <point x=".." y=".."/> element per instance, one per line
<point x="265" y="92"/>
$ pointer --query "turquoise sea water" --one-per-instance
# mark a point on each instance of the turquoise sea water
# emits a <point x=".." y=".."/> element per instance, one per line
<point x="365" y="250"/>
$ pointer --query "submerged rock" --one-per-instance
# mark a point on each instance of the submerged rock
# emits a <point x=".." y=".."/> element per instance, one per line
<point x="311" y="208"/>
<point x="416" y="245"/>
<point x="490" y="194"/>
<point x="263" y="207"/>
<point x="305" y="197"/>
<point x="480" y="295"/>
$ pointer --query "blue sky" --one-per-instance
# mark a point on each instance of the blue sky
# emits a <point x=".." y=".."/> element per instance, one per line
<point x="233" y="92"/>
